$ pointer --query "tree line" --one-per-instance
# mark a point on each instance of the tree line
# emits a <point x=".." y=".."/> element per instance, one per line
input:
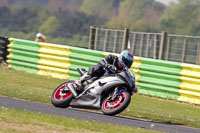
<point x="68" y="21"/>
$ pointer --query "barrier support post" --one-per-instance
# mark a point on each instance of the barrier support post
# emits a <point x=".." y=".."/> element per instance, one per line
<point x="92" y="37"/>
<point x="125" y="39"/>
<point x="163" y="45"/>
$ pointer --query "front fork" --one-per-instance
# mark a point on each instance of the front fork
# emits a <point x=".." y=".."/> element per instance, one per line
<point x="116" y="93"/>
<point x="71" y="88"/>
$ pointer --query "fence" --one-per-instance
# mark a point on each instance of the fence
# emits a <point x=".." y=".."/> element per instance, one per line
<point x="164" y="46"/>
<point x="165" y="79"/>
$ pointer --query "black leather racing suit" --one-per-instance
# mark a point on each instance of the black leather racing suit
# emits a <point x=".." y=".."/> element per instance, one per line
<point x="98" y="69"/>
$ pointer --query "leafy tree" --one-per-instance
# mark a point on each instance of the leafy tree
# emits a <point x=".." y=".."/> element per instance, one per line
<point x="22" y="19"/>
<point x="49" y="26"/>
<point x="74" y="5"/>
<point x="4" y="19"/>
<point x="132" y="14"/>
<point x="103" y="8"/>
<point x="182" y="18"/>
<point x="71" y="24"/>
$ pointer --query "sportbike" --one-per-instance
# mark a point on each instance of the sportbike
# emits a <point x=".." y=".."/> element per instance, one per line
<point x="111" y="93"/>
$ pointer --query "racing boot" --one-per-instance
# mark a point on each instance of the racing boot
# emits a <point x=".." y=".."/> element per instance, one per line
<point x="81" y="80"/>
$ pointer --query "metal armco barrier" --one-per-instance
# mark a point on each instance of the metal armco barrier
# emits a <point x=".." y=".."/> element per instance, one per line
<point x="3" y="48"/>
<point x="165" y="79"/>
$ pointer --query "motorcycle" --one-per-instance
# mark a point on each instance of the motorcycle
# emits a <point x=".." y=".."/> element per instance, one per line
<point x="111" y="93"/>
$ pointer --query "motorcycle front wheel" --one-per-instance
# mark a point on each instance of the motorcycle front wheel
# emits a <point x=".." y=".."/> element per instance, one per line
<point x="61" y="98"/>
<point x="113" y="107"/>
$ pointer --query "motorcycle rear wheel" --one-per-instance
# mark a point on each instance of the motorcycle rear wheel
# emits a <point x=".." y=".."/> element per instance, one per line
<point x="118" y="105"/>
<point x="61" y="98"/>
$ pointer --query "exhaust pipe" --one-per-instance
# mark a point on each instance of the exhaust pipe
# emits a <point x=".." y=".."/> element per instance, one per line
<point x="72" y="90"/>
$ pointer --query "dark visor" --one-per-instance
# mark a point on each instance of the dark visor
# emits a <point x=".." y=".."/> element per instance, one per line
<point x="127" y="62"/>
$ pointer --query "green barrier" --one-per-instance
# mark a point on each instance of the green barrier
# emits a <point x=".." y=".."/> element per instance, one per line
<point x="43" y="58"/>
<point x="158" y="78"/>
<point x="190" y="83"/>
<point x="23" y="55"/>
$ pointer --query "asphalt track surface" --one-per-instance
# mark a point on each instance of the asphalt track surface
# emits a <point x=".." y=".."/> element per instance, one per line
<point x="92" y="116"/>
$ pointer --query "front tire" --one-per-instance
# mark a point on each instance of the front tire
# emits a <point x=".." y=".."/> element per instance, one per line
<point x="116" y="106"/>
<point x="61" y="98"/>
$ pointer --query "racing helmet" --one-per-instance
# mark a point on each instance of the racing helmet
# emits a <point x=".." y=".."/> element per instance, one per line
<point x="126" y="58"/>
<point x="39" y="35"/>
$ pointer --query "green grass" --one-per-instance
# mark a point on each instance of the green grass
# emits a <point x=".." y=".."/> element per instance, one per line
<point x="163" y="110"/>
<point x="17" y="121"/>
<point x="27" y="86"/>
<point x="39" y="88"/>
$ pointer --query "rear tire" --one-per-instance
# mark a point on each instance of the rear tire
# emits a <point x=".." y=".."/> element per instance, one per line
<point x="61" y="101"/>
<point x="122" y="105"/>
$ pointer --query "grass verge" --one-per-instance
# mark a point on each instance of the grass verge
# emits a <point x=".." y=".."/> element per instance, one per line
<point x="39" y="88"/>
<point x="17" y="121"/>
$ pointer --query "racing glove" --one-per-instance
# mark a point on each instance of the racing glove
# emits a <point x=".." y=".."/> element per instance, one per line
<point x="111" y="67"/>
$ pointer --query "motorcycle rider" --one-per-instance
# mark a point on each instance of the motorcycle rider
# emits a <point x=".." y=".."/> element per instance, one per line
<point x="110" y="62"/>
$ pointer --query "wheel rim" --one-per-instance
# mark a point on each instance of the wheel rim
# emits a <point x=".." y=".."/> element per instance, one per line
<point x="116" y="103"/>
<point x="59" y="95"/>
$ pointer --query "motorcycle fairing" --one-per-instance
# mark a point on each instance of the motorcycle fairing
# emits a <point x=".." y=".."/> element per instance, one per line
<point x="92" y="97"/>
<point x="86" y="101"/>
<point x="130" y="81"/>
